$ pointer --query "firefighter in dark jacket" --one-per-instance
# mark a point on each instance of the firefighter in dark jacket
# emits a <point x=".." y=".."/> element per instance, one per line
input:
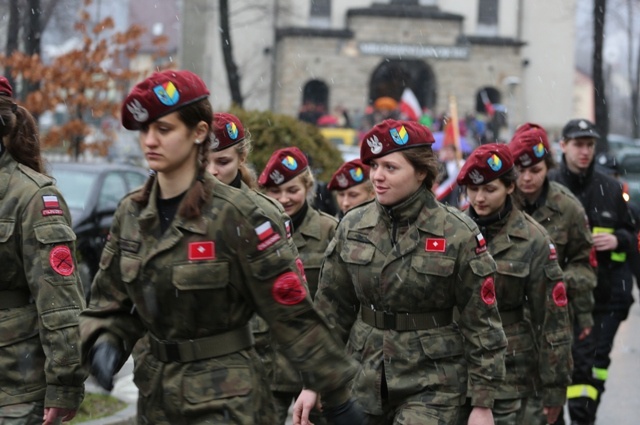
<point x="614" y="240"/>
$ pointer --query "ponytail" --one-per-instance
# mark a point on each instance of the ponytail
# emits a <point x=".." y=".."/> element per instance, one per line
<point x="19" y="133"/>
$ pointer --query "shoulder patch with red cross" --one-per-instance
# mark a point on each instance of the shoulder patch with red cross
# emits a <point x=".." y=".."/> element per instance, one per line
<point x="61" y="260"/>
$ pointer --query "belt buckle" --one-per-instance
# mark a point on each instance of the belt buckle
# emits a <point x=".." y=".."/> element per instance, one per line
<point x="388" y="320"/>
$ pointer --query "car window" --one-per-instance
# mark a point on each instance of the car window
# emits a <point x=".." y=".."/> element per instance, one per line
<point x="75" y="186"/>
<point x="134" y="180"/>
<point x="112" y="191"/>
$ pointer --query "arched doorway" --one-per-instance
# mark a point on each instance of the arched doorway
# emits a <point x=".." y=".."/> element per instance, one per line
<point x="392" y="76"/>
<point x="315" y="101"/>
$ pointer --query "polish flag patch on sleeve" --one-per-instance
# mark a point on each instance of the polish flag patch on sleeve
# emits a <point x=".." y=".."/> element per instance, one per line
<point x="481" y="244"/>
<point x="266" y="235"/>
<point x="552" y="252"/>
<point x="50" y="201"/>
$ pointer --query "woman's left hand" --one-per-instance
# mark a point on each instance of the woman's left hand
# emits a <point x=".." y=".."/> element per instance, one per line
<point x="53" y="413"/>
<point x="480" y="416"/>
<point x="303" y="406"/>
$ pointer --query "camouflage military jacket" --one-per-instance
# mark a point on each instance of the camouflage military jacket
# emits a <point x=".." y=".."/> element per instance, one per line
<point x="311" y="240"/>
<point x="438" y="262"/>
<point x="203" y="277"/>
<point x="561" y="215"/>
<point x="40" y="350"/>
<point x="529" y="280"/>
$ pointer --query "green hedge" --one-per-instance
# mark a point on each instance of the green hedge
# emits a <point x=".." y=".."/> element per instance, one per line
<point x="270" y="132"/>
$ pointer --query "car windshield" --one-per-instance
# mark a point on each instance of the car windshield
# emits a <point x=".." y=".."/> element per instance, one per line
<point x="75" y="186"/>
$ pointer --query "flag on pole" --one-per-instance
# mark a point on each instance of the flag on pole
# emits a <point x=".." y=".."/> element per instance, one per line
<point x="488" y="106"/>
<point x="409" y="105"/>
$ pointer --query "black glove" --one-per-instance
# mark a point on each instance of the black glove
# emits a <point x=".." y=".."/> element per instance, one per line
<point x="348" y="413"/>
<point x="105" y="358"/>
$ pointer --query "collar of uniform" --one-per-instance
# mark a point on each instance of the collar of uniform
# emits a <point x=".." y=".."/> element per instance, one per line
<point x="7" y="166"/>
<point x="407" y="210"/>
<point x="149" y="214"/>
<point x="552" y="195"/>
<point x="311" y="225"/>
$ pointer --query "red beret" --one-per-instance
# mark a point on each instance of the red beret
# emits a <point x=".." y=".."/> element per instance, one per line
<point x="160" y="94"/>
<point x="485" y="164"/>
<point x="5" y="87"/>
<point x="283" y="165"/>
<point x="349" y="174"/>
<point x="391" y="136"/>
<point x="529" y="145"/>
<point x="227" y="131"/>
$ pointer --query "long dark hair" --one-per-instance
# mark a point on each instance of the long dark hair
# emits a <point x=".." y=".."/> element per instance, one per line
<point x="197" y="195"/>
<point x="19" y="131"/>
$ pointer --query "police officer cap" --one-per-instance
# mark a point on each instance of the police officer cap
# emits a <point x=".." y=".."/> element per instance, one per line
<point x="392" y="136"/>
<point x="5" y="87"/>
<point x="351" y="173"/>
<point x="284" y="165"/>
<point x="577" y="128"/>
<point x="227" y="131"/>
<point x="160" y="94"/>
<point x="485" y="164"/>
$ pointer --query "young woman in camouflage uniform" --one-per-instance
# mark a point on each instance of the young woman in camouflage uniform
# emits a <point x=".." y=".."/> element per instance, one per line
<point x="42" y="381"/>
<point x="351" y="185"/>
<point x="530" y="291"/>
<point x="393" y="275"/>
<point x="226" y="164"/>
<point x="187" y="263"/>
<point x="287" y="178"/>
<point x="560" y="213"/>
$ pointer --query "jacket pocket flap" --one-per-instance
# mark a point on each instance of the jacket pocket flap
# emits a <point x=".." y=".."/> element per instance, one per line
<point x="60" y="319"/>
<point x="440" y="345"/>
<point x="512" y="268"/>
<point x="194" y="276"/>
<point x="432" y="264"/>
<point x="50" y="234"/>
<point x="6" y="230"/>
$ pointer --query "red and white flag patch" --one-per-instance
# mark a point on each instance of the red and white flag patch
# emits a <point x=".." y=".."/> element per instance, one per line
<point x="560" y="294"/>
<point x="488" y="291"/>
<point x="552" y="252"/>
<point x="61" y="260"/>
<point x="482" y="244"/>
<point x="288" y="289"/>
<point x="266" y="235"/>
<point x="50" y="201"/>
<point x="287" y="226"/>
<point x="435" y="245"/>
<point x="202" y="251"/>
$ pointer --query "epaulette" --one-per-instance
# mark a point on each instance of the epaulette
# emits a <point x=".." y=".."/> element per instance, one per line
<point x="464" y="218"/>
<point x="39" y="179"/>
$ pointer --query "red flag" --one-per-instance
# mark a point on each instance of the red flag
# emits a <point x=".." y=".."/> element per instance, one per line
<point x="488" y="106"/>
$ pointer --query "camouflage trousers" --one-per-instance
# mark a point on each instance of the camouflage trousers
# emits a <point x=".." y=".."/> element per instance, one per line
<point x="417" y="413"/>
<point x="23" y="414"/>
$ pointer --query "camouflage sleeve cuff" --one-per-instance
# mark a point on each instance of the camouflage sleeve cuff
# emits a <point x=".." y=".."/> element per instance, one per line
<point x="64" y="397"/>
<point x="554" y="396"/>
<point x="482" y="396"/>
<point x="584" y="320"/>
<point x="336" y="397"/>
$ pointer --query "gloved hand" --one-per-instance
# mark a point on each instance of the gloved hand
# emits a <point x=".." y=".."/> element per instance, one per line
<point x="105" y="358"/>
<point x="348" y="413"/>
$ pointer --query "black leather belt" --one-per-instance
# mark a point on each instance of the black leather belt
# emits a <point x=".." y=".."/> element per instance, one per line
<point x="201" y="348"/>
<point x="14" y="298"/>
<point x="405" y="321"/>
<point x="512" y="316"/>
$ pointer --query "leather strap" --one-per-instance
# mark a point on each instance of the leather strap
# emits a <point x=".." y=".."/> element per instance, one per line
<point x="405" y="321"/>
<point x="202" y="348"/>
<point x="14" y="298"/>
<point x="512" y="316"/>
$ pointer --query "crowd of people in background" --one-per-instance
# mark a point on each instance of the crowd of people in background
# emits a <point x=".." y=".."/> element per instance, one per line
<point x="436" y="291"/>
